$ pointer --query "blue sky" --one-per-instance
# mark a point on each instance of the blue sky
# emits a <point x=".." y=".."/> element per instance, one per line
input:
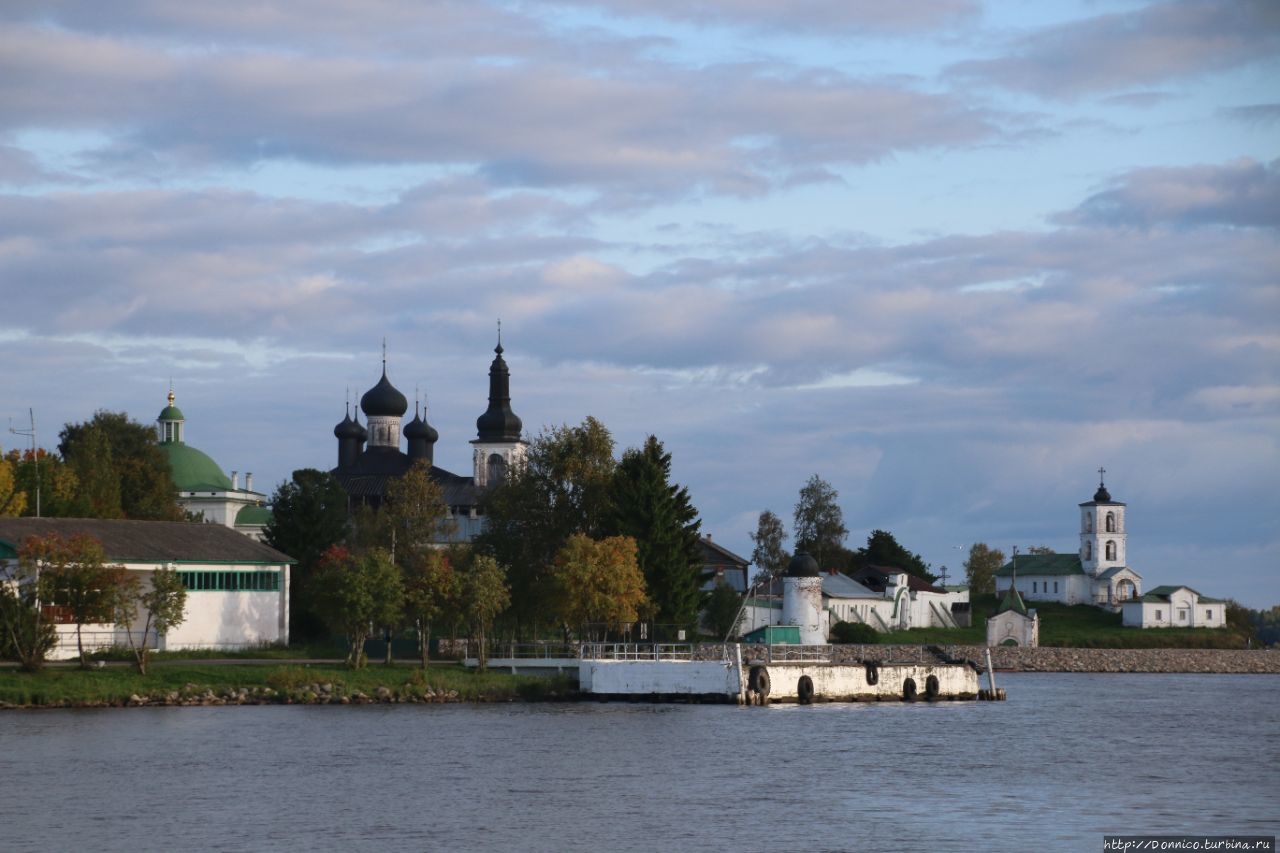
<point x="952" y="256"/>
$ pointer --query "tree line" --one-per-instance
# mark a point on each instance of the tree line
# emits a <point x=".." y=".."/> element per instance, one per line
<point x="577" y="544"/>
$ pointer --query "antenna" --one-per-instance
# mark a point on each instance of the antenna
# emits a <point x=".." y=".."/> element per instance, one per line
<point x="35" y="454"/>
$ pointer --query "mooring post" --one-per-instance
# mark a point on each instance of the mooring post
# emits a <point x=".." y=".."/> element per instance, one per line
<point x="991" y="674"/>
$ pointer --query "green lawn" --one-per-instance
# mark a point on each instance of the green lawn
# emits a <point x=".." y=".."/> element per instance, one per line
<point x="114" y="684"/>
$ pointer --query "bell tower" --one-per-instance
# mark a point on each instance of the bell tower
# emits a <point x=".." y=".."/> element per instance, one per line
<point x="497" y="447"/>
<point x="1102" y="530"/>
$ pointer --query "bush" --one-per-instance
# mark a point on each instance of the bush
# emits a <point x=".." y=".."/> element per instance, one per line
<point x="854" y="632"/>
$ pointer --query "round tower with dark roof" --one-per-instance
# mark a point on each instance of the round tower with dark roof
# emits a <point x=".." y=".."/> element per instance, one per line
<point x="421" y="437"/>
<point x="383" y="406"/>
<point x="351" y="437"/>
<point x="498" y="445"/>
<point x="1102" y="531"/>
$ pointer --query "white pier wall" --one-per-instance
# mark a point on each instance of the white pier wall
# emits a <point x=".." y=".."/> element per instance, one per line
<point x="664" y="677"/>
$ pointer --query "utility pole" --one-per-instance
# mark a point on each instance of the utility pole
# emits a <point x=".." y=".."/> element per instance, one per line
<point x="35" y="454"/>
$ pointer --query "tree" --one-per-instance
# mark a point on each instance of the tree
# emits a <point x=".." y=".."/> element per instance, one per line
<point x="883" y="550"/>
<point x="661" y="519"/>
<point x="483" y="594"/>
<point x="163" y="607"/>
<point x="723" y="611"/>
<point x="13" y="499"/>
<point x="111" y="449"/>
<point x="770" y="558"/>
<point x="819" y="521"/>
<point x="73" y="576"/>
<point x="854" y="632"/>
<point x="980" y="567"/>
<point x="1040" y="549"/>
<point x="25" y="635"/>
<point x="598" y="583"/>
<point x="308" y="516"/>
<point x="561" y="489"/>
<point x="356" y="593"/>
<point x="430" y="589"/>
<point x="48" y="482"/>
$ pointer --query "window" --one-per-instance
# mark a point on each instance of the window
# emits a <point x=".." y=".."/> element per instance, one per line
<point x="1088" y="523"/>
<point x="1111" y="549"/>
<point x="230" y="581"/>
<point x="497" y="472"/>
<point x="1159" y="615"/>
<point x="1208" y="614"/>
<point x="1182" y="616"/>
<point x="1088" y="550"/>
<point x="1055" y="586"/>
<point x="1033" y="586"/>
<point x="1111" y="522"/>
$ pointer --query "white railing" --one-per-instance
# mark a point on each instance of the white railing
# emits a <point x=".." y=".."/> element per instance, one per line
<point x="533" y="651"/>
<point x="779" y="653"/>
<point x="637" y="651"/>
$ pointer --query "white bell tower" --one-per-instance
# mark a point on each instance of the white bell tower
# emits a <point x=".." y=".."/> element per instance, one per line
<point x="1102" y="531"/>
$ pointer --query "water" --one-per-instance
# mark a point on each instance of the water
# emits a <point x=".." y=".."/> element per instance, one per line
<point x="1065" y="760"/>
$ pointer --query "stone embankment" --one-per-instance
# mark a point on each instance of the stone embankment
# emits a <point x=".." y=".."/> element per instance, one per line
<point x="1045" y="659"/>
<point x="311" y="694"/>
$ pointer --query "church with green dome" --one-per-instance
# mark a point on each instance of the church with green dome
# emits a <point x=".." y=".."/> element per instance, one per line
<point x="203" y="487"/>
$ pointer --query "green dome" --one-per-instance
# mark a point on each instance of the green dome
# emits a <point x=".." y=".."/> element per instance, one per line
<point x="171" y="413"/>
<point x="194" y="471"/>
<point x="252" y="514"/>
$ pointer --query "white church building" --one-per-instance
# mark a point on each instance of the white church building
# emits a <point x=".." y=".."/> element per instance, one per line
<point x="1097" y="574"/>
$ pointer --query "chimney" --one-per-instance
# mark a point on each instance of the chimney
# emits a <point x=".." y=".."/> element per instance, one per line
<point x="248" y="481"/>
<point x="235" y="481"/>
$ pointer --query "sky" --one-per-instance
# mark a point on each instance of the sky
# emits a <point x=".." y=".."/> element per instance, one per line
<point x="951" y="256"/>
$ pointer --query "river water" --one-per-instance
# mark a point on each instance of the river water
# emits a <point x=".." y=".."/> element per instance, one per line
<point x="1066" y="760"/>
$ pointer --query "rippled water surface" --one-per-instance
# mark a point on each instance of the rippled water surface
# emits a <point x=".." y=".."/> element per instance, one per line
<point x="1065" y="760"/>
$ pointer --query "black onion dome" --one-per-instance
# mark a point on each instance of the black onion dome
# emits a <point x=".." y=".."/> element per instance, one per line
<point x="1102" y="496"/>
<point x="419" y="428"/>
<point x="803" y="566"/>
<point x="348" y="428"/>
<point x="383" y="400"/>
<point x="499" y="423"/>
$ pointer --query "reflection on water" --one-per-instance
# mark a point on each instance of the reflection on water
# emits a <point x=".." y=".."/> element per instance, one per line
<point x="1065" y="760"/>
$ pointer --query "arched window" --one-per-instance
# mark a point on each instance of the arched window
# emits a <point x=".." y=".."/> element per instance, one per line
<point x="1088" y="522"/>
<point x="1088" y="550"/>
<point x="497" y="469"/>
<point x="1111" y="522"/>
<point x="1111" y="549"/>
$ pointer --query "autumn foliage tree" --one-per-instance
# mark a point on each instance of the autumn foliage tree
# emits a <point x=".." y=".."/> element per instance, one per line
<point x="430" y="592"/>
<point x="483" y="593"/>
<point x="598" y="584"/>
<point x="122" y="471"/>
<point x="357" y="592"/>
<point x="980" y="567"/>
<point x="161" y="607"/>
<point x="73" y="577"/>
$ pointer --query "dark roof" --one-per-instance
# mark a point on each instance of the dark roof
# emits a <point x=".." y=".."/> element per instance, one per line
<point x="378" y="467"/>
<point x="1162" y="593"/>
<point x="1038" y="565"/>
<point x="350" y="429"/>
<point x="877" y="578"/>
<point x="714" y="554"/>
<point x="146" y="541"/>
<point x="499" y="423"/>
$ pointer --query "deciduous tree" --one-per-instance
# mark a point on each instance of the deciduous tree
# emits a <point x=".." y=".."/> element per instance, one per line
<point x="819" y="521"/>
<point x="563" y="488"/>
<point x="430" y="590"/>
<point x="161" y="607"/>
<point x="483" y="594"/>
<point x="769" y="557"/>
<point x="356" y="593"/>
<point x="980" y="567"/>
<point x="110" y="447"/>
<point x="74" y="576"/>
<point x="25" y="635"/>
<point x="598" y="584"/>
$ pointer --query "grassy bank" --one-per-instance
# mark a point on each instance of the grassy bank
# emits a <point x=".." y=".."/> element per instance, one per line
<point x="1078" y="626"/>
<point x="185" y="682"/>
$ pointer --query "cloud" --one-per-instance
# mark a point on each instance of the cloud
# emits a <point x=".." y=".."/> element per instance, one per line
<point x="822" y="16"/>
<point x="1150" y="45"/>
<point x="1244" y="193"/>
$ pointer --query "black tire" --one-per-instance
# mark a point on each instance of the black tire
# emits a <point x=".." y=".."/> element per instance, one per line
<point x="758" y="680"/>
<point x="931" y="687"/>
<point x="873" y="674"/>
<point x="909" y="690"/>
<point x="804" y="690"/>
